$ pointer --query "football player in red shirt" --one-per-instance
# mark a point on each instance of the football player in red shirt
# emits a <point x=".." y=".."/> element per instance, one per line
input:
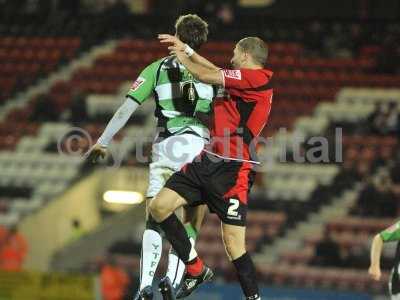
<point x="221" y="176"/>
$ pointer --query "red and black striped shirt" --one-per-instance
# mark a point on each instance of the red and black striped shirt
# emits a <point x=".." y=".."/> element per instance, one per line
<point x="241" y="111"/>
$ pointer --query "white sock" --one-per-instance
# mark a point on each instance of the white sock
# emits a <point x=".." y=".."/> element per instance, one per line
<point x="151" y="254"/>
<point x="176" y="267"/>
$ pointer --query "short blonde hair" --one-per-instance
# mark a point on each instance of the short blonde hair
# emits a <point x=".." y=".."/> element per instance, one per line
<point x="256" y="47"/>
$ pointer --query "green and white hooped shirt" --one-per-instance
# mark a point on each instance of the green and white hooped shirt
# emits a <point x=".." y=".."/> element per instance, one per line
<point x="180" y="98"/>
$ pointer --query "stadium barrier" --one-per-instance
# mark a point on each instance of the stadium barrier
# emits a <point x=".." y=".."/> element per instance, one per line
<point x="44" y="286"/>
<point x="233" y="292"/>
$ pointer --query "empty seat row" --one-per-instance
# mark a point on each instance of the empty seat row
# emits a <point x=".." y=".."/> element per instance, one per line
<point x="316" y="171"/>
<point x="313" y="277"/>
<point x="369" y="95"/>
<point x="356" y="224"/>
<point x="39" y="42"/>
<point x="369" y="140"/>
<point x="315" y="63"/>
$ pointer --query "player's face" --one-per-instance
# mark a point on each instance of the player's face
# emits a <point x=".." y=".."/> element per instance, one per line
<point x="238" y="58"/>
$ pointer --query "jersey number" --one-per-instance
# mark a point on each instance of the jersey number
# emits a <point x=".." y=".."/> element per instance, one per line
<point x="234" y="205"/>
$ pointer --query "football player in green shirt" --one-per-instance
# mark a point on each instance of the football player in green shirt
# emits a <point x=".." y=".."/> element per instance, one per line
<point x="391" y="234"/>
<point x="181" y="103"/>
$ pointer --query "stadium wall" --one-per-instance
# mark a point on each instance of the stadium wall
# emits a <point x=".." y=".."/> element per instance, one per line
<point x="50" y="228"/>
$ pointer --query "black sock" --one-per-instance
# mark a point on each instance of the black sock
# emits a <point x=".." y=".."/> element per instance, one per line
<point x="177" y="236"/>
<point x="247" y="276"/>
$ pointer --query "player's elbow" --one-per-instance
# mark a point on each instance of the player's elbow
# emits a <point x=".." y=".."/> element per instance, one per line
<point x="377" y="242"/>
<point x="202" y="77"/>
<point x="211" y="77"/>
<point x="378" y="238"/>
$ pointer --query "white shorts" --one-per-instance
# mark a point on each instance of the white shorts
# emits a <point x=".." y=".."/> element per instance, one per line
<point x="169" y="156"/>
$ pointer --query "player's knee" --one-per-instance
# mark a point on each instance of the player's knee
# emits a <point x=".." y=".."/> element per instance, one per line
<point x="153" y="225"/>
<point x="159" y="209"/>
<point x="155" y="208"/>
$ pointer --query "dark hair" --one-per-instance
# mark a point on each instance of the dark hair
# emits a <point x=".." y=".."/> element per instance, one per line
<point x="256" y="47"/>
<point x="192" y="30"/>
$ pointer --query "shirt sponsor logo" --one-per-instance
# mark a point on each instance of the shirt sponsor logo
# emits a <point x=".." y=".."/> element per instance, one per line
<point x="137" y="83"/>
<point x="234" y="74"/>
<point x="191" y="283"/>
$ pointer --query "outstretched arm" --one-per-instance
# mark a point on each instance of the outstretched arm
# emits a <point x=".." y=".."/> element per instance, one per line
<point x="197" y="58"/>
<point x="138" y="93"/>
<point x="206" y="75"/>
<point x="376" y="252"/>
<point x="118" y="121"/>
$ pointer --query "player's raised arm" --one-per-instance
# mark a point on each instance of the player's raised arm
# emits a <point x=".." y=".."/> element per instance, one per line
<point x="198" y="66"/>
<point x="204" y="74"/>
<point x="177" y="44"/>
<point x="200" y="72"/>
<point x="200" y="59"/>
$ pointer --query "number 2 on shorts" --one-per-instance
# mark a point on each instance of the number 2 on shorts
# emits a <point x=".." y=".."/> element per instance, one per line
<point x="234" y="205"/>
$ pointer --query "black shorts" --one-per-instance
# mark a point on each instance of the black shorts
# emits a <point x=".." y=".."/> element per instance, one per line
<point x="222" y="185"/>
<point x="394" y="283"/>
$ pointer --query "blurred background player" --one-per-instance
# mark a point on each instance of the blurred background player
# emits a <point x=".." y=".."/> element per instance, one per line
<point x="224" y="173"/>
<point x="181" y="101"/>
<point x="114" y="280"/>
<point x="13" y="249"/>
<point x="391" y="234"/>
